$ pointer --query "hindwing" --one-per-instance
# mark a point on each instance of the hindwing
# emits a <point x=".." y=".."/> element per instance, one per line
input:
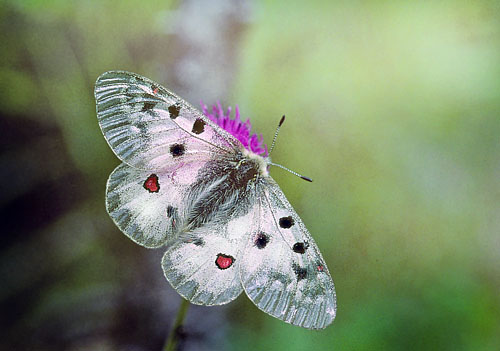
<point x="282" y="270"/>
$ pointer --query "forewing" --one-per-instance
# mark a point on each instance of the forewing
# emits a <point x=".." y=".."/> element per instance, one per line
<point x="149" y="206"/>
<point x="203" y="264"/>
<point x="148" y="126"/>
<point x="282" y="270"/>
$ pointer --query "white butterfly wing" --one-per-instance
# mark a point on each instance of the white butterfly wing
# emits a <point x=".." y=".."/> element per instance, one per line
<point x="164" y="142"/>
<point x="149" y="206"/>
<point x="149" y="127"/>
<point x="282" y="270"/>
<point x="203" y="264"/>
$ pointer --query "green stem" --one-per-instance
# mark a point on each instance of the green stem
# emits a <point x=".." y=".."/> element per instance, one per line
<point x="173" y="337"/>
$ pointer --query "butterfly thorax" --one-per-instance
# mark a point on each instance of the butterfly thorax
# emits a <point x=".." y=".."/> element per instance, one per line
<point x="224" y="186"/>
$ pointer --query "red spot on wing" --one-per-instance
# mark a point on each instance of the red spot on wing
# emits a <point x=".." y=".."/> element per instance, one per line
<point x="155" y="91"/>
<point x="151" y="184"/>
<point x="224" y="261"/>
<point x="320" y="268"/>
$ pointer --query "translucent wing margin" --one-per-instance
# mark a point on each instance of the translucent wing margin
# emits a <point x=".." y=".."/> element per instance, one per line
<point x="148" y="126"/>
<point x="203" y="264"/>
<point x="282" y="271"/>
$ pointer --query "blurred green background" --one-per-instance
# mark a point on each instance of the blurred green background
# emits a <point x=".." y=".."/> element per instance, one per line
<point x="393" y="108"/>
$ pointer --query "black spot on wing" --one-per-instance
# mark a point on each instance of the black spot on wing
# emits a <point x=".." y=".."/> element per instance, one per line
<point x="261" y="240"/>
<point x="148" y="106"/>
<point x="198" y="126"/>
<point x="300" y="247"/>
<point x="177" y="150"/>
<point x="174" y="111"/>
<point x="286" y="222"/>
<point x="300" y="272"/>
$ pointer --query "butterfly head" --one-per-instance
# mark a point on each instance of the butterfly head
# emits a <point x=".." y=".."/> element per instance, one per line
<point x="255" y="152"/>
<point x="257" y="162"/>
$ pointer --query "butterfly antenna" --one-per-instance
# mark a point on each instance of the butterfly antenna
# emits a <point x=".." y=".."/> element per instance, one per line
<point x="289" y="170"/>
<point x="276" y="134"/>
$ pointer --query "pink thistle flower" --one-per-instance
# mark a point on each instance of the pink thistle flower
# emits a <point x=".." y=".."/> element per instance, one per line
<point x="239" y="129"/>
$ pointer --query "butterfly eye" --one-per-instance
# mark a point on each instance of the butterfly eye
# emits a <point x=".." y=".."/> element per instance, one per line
<point x="241" y="162"/>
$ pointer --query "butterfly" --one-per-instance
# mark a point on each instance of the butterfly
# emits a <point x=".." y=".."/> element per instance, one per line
<point x="188" y="184"/>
